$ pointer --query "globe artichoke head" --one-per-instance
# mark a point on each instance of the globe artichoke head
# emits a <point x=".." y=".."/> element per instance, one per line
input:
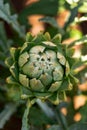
<point x="41" y="66"/>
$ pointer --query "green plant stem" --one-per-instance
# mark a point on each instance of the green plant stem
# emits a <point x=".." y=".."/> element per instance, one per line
<point x="45" y="108"/>
<point x="62" y="119"/>
<point x="25" y="124"/>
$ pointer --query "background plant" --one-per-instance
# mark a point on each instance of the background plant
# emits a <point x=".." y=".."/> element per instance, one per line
<point x="13" y="29"/>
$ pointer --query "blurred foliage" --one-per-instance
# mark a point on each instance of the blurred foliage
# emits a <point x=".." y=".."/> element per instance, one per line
<point x="13" y="28"/>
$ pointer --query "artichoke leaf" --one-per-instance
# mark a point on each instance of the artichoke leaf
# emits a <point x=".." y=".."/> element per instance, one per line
<point x="67" y="68"/>
<point x="62" y="95"/>
<point x="23" y="58"/>
<point x="28" y="68"/>
<point x="36" y="73"/>
<point x="57" y="39"/>
<point x="49" y="43"/>
<point x="24" y="47"/>
<point x="38" y="38"/>
<point x="43" y="67"/>
<point x="73" y="79"/>
<point x="55" y="86"/>
<point x="42" y="95"/>
<point x="29" y="37"/>
<point x="54" y="98"/>
<point x="46" y="79"/>
<point x="58" y="73"/>
<point x="9" y="61"/>
<point x="70" y="52"/>
<point x="66" y="85"/>
<point x="14" y="71"/>
<point x="47" y="36"/>
<point x="51" y="55"/>
<point x="24" y="80"/>
<point x="61" y="58"/>
<point x="36" y="85"/>
<point x="32" y="71"/>
<point x="37" y="49"/>
<point x="34" y="57"/>
<point x="14" y="53"/>
<point x="11" y="80"/>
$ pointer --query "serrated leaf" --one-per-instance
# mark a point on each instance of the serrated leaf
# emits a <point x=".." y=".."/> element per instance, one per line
<point x="66" y="85"/>
<point x="78" y="126"/>
<point x="73" y="14"/>
<point x="5" y="14"/>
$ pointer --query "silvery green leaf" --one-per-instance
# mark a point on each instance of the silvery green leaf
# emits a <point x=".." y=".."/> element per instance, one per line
<point x="5" y="14"/>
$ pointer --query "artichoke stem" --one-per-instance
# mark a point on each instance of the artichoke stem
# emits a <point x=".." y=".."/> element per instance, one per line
<point x="62" y="119"/>
<point x="25" y="125"/>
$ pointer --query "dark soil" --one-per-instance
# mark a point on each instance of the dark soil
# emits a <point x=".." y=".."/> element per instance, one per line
<point x="13" y="124"/>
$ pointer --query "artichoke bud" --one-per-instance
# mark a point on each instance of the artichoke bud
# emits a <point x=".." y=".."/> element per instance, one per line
<point x="23" y="58"/>
<point x="41" y="66"/>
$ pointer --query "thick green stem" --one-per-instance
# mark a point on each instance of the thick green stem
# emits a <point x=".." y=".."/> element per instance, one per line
<point x="25" y="124"/>
<point x="62" y="120"/>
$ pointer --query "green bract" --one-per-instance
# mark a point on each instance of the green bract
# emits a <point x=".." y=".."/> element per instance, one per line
<point x="42" y="67"/>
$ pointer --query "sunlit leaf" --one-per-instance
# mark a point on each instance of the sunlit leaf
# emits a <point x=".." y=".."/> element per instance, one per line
<point x="81" y="19"/>
<point x="83" y="40"/>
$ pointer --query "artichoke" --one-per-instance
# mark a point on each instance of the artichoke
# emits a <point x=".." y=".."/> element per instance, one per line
<point x="42" y="67"/>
